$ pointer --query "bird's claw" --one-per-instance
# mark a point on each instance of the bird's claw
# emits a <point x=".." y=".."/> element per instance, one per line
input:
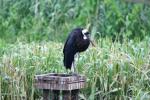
<point x="73" y="74"/>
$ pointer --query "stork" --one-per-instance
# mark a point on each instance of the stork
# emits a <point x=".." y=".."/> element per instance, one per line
<point x="78" y="41"/>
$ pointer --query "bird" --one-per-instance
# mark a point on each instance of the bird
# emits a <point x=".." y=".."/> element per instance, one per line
<point x="77" y="41"/>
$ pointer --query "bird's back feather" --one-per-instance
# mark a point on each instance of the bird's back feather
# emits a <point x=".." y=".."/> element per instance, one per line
<point x="74" y="43"/>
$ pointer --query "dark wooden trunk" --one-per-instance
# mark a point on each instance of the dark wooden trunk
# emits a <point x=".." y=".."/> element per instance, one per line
<point x="66" y="95"/>
<point x="55" y="95"/>
<point x="75" y="94"/>
<point x="46" y="94"/>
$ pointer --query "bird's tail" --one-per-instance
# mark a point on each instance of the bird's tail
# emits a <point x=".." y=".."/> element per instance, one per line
<point x="68" y="60"/>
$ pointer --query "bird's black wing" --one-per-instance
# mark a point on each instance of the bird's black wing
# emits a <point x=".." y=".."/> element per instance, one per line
<point x="65" y="44"/>
<point x="71" y="39"/>
<point x="69" y="52"/>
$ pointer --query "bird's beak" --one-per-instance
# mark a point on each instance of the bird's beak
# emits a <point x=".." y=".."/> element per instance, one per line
<point x="92" y="43"/>
<point x="91" y="40"/>
<point x="88" y="26"/>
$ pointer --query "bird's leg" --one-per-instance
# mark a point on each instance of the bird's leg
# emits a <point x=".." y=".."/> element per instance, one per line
<point x="78" y="56"/>
<point x="74" y="71"/>
<point x="66" y="71"/>
<point x="73" y="67"/>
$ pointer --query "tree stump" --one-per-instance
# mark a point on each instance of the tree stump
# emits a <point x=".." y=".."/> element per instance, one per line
<point x="56" y="86"/>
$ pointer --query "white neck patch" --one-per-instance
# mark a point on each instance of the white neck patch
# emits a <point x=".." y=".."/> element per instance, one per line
<point x="84" y="31"/>
<point x="84" y="37"/>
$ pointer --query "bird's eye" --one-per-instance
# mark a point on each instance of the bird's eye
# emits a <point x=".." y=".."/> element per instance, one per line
<point x="87" y="33"/>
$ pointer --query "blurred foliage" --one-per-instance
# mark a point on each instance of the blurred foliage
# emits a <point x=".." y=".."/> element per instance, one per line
<point x="31" y="20"/>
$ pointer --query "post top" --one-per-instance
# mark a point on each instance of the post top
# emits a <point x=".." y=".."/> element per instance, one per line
<point x="59" y="81"/>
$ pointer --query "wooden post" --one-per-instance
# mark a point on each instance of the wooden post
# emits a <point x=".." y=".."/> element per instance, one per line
<point x="66" y="95"/>
<point x="55" y="95"/>
<point x="46" y="94"/>
<point x="75" y="94"/>
<point x="70" y="95"/>
<point x="52" y="84"/>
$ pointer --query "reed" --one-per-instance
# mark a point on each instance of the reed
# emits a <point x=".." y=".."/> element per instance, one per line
<point x="113" y="70"/>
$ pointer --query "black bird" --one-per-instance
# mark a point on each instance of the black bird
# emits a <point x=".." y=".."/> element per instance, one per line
<point x="77" y="41"/>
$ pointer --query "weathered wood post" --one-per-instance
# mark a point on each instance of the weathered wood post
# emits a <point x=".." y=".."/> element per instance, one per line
<point x="55" y="86"/>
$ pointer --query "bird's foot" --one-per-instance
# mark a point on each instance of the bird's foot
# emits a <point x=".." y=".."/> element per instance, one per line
<point x="73" y="73"/>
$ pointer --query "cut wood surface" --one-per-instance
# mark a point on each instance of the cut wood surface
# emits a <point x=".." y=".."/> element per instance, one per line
<point x="59" y="81"/>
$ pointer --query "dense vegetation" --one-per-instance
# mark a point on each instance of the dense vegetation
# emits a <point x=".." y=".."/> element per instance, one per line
<point x="32" y="34"/>
<point x="50" y="19"/>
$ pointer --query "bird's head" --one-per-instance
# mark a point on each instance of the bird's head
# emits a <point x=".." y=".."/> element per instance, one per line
<point x="85" y="34"/>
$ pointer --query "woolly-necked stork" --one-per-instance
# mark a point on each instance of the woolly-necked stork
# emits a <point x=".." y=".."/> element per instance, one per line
<point x="77" y="41"/>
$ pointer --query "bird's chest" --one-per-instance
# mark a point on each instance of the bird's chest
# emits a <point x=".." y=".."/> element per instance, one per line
<point x="82" y="45"/>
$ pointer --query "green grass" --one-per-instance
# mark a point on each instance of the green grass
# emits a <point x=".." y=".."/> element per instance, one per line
<point x="113" y="71"/>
